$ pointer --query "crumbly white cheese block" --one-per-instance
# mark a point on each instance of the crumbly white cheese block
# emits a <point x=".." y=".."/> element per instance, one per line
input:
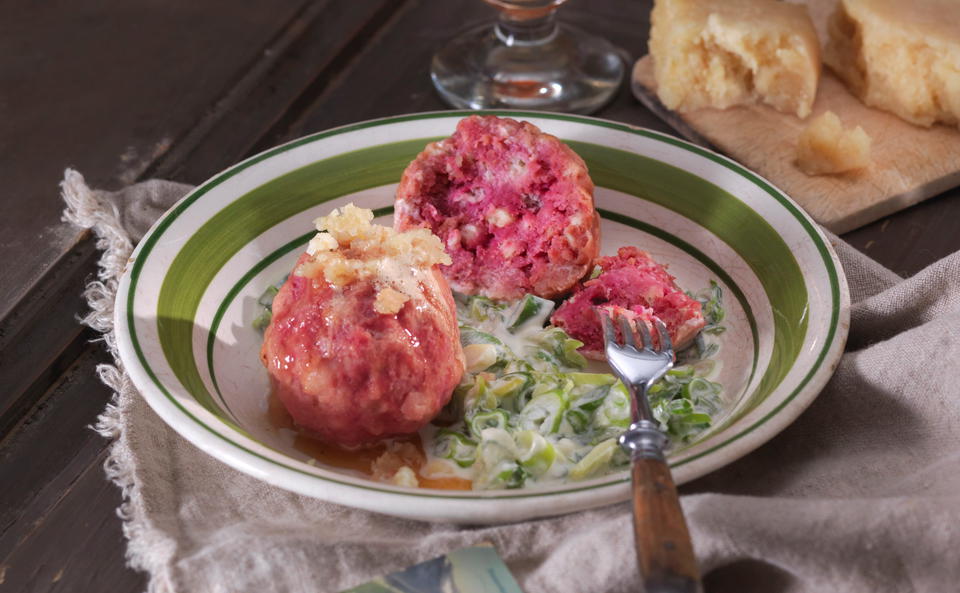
<point x="824" y="147"/>
<point x="899" y="56"/>
<point x="720" y="53"/>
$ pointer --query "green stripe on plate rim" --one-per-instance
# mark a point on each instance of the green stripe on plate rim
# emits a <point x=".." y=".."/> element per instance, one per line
<point x="302" y="240"/>
<point x="148" y="244"/>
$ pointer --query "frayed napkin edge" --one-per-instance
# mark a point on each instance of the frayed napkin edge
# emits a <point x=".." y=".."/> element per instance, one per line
<point x="148" y="550"/>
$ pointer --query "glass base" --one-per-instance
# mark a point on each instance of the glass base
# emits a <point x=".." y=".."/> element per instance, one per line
<point x="570" y="71"/>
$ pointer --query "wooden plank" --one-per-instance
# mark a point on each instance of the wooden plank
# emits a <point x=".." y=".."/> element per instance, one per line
<point x="58" y="525"/>
<point x="38" y="336"/>
<point x="105" y="86"/>
<point x="384" y="79"/>
<point x="77" y="546"/>
<point x="43" y="481"/>
<point x="41" y="336"/>
<point x="51" y="447"/>
<point x="297" y="65"/>
<point x="911" y="240"/>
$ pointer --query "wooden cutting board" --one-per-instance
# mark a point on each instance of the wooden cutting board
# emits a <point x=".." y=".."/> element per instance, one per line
<point x="910" y="163"/>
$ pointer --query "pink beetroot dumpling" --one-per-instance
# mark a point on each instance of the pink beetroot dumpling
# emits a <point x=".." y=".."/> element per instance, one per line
<point x="513" y="207"/>
<point x="355" y="354"/>
<point x="632" y="284"/>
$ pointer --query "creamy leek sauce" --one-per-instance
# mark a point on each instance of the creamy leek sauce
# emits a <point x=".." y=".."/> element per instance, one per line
<point x="529" y="409"/>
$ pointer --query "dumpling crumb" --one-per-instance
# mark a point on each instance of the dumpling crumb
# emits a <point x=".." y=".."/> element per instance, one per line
<point x="390" y="465"/>
<point x="406" y="477"/>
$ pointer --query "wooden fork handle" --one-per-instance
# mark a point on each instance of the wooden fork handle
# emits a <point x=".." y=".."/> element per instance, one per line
<point x="664" y="551"/>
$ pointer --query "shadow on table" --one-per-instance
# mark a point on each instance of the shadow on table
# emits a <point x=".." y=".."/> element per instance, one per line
<point x="748" y="576"/>
<point x="828" y="450"/>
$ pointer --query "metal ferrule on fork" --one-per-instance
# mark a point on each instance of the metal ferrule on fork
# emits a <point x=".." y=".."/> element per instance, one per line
<point x="644" y="440"/>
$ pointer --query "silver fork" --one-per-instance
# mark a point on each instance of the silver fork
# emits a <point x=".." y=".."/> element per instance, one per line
<point x="664" y="551"/>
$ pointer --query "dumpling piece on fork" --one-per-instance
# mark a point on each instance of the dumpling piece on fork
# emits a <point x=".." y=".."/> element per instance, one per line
<point x="631" y="285"/>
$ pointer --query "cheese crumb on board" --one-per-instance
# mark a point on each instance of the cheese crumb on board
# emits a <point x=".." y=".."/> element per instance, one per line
<point x="825" y="147"/>
<point x="902" y="57"/>
<point x="350" y="248"/>
<point x="720" y="53"/>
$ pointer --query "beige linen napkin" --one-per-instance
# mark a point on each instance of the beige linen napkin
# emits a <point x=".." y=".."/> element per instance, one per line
<point x="861" y="493"/>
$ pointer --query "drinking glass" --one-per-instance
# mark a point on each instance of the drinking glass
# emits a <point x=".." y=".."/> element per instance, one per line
<point x="526" y="60"/>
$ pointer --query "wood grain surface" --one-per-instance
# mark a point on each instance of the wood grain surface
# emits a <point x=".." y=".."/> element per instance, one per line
<point x="126" y="90"/>
<point x="909" y="163"/>
<point x="106" y="86"/>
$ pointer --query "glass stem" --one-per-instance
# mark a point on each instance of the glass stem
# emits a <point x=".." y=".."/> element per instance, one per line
<point x="515" y="29"/>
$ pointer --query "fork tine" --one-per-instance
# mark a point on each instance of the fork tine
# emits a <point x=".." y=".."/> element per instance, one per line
<point x="645" y="334"/>
<point x="627" y="330"/>
<point x="609" y="335"/>
<point x="665" y="344"/>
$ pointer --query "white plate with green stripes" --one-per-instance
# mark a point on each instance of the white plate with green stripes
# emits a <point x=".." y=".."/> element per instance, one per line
<point x="187" y="299"/>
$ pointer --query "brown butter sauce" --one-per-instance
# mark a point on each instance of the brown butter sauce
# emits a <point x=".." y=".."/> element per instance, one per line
<point x="359" y="460"/>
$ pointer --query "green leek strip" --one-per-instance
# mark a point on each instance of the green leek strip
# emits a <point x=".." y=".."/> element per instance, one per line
<point x="526" y="310"/>
<point x="469" y="335"/>
<point x="514" y="390"/>
<point x="479" y="396"/>
<point x="511" y="384"/>
<point x="615" y="409"/>
<point x="263" y="320"/>
<point x="544" y="413"/>
<point x="266" y="299"/>
<point x="578" y="420"/>
<point x="589" y="399"/>
<point x="535" y="452"/>
<point x="596" y="462"/>
<point x="511" y="475"/>
<point x="534" y="413"/>
<point x="569" y="354"/>
<point x="485" y="419"/>
<point x="456" y="447"/>
<point x="593" y="379"/>
<point x="698" y="388"/>
<point x="480" y="356"/>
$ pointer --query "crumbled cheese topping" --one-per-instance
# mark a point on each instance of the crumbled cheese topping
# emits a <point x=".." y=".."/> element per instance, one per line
<point x="322" y="242"/>
<point x="389" y="301"/>
<point x="350" y="248"/>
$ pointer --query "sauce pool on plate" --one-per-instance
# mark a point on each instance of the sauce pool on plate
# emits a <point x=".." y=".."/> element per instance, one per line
<point x="403" y="451"/>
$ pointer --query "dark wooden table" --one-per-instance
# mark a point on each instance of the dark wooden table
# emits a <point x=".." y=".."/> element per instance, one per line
<point x="125" y="90"/>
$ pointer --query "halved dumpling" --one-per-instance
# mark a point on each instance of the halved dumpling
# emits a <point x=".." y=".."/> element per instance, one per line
<point x="513" y="207"/>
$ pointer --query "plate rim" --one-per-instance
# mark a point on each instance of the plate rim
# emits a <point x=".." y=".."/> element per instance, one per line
<point x="806" y="390"/>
